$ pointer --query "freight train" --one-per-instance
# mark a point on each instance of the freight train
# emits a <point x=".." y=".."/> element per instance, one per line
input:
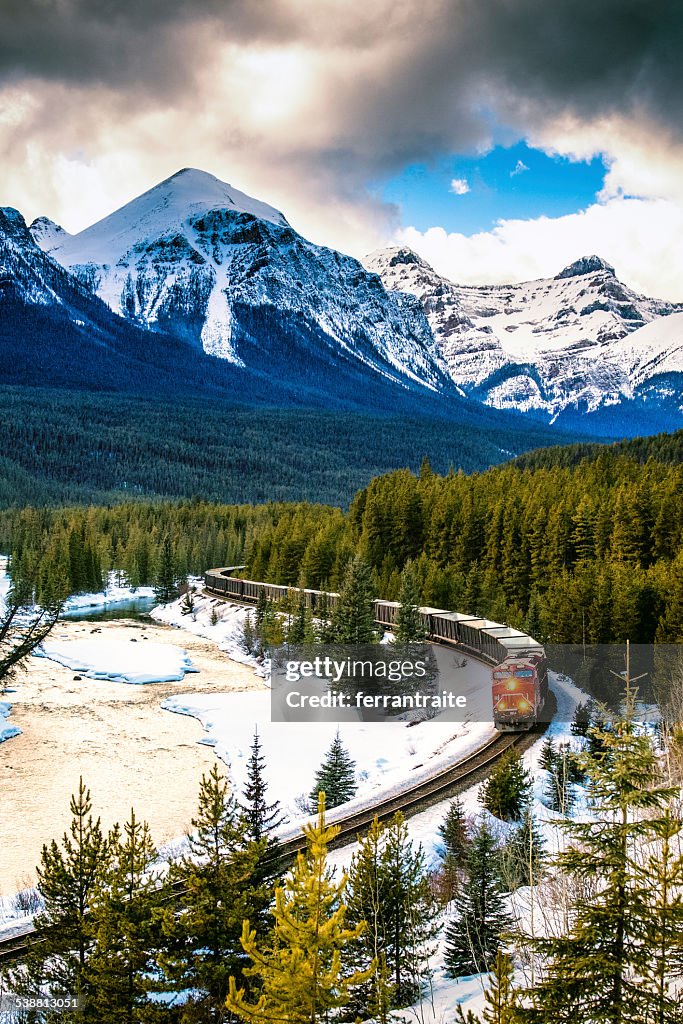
<point x="519" y="671"/>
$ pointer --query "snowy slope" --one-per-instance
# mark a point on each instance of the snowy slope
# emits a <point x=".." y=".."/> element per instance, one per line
<point x="195" y="257"/>
<point x="580" y="340"/>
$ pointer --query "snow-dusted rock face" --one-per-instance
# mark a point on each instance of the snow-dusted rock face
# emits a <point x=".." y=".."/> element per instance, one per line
<point x="26" y="270"/>
<point x="579" y="341"/>
<point x="47" y="234"/>
<point x="195" y="257"/>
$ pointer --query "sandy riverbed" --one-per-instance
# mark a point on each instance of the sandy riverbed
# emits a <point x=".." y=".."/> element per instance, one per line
<point x="129" y="751"/>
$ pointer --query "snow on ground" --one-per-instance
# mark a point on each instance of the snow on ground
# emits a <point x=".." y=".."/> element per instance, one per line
<point x="6" y="731"/>
<point x="5" y="583"/>
<point x="119" y="661"/>
<point x="226" y="631"/>
<point x="390" y="756"/>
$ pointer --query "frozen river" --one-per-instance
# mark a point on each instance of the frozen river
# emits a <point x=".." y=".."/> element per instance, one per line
<point x="129" y="751"/>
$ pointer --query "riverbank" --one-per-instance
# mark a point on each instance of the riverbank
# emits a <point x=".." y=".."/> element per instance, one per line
<point x="129" y="750"/>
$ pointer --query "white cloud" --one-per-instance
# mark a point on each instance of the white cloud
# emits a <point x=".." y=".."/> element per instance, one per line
<point x="519" y="168"/>
<point x="641" y="238"/>
<point x="310" y="114"/>
<point x="459" y="186"/>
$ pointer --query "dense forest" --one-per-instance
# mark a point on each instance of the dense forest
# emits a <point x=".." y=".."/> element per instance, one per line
<point x="60" y="447"/>
<point x="587" y="549"/>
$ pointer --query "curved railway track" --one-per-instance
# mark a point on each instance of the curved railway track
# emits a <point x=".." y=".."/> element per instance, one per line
<point x="460" y="776"/>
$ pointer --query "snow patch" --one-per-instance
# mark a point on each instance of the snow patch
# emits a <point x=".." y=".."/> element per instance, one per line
<point x="119" y="661"/>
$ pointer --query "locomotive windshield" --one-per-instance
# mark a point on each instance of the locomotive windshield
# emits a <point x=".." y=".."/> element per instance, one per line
<point x="523" y="673"/>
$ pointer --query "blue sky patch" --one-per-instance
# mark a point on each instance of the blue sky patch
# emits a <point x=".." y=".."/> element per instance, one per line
<point x="470" y="193"/>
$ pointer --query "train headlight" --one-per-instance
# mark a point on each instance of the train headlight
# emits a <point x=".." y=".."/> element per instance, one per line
<point x="511" y="685"/>
<point x="524" y="705"/>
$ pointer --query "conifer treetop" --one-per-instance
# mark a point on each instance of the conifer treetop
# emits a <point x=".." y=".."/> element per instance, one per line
<point x="302" y="967"/>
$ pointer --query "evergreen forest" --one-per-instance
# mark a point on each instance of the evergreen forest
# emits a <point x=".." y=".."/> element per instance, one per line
<point x="562" y="546"/>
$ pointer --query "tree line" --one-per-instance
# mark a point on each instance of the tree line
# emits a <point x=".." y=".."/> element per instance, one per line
<point x="64" y="447"/>
<point x="591" y="550"/>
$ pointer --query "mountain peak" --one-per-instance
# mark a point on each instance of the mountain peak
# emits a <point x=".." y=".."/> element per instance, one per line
<point x="586" y="265"/>
<point x="191" y="192"/>
<point x="164" y="211"/>
<point x="395" y="256"/>
<point x="13" y="220"/>
<point x="47" y="234"/>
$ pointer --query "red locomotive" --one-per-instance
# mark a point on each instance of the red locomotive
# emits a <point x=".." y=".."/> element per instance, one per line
<point x="519" y="690"/>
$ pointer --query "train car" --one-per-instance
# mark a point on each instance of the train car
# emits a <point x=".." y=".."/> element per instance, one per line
<point x="221" y="581"/>
<point x="493" y="641"/>
<point x="444" y="625"/>
<point x="519" y="676"/>
<point x="386" y="612"/>
<point x="519" y="690"/>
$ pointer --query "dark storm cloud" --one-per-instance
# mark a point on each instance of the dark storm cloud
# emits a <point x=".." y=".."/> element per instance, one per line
<point x="526" y="62"/>
<point x="331" y="93"/>
<point x="589" y="56"/>
<point x="437" y="61"/>
<point x="119" y="43"/>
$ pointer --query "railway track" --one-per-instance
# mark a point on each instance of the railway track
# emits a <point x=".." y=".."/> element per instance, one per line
<point x="467" y="772"/>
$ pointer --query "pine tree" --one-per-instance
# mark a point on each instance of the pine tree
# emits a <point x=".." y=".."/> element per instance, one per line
<point x="323" y="630"/>
<point x="500" y="998"/>
<point x="455" y="834"/>
<point x="582" y="719"/>
<point x="300" y="628"/>
<point x="261" y="607"/>
<point x="524" y="855"/>
<point x="559" y="790"/>
<point x="221" y="888"/>
<point x="661" y="875"/>
<point x="301" y="972"/>
<point x="365" y="903"/>
<point x="121" y="965"/>
<point x="473" y="936"/>
<point x="548" y="754"/>
<point x="597" y="971"/>
<point x="409" y="626"/>
<point x="390" y="892"/>
<point x="166" y="584"/>
<point x="270" y="629"/>
<point x="410" y="914"/>
<point x="506" y="791"/>
<point x="248" y="635"/>
<point x="336" y="777"/>
<point x="67" y="879"/>
<point x="354" y="615"/>
<point x="533" y="623"/>
<point x="261" y="819"/>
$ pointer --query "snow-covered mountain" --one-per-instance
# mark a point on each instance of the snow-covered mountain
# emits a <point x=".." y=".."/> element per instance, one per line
<point x="197" y="258"/>
<point x="54" y="332"/>
<point x="198" y="265"/>
<point x="580" y="342"/>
